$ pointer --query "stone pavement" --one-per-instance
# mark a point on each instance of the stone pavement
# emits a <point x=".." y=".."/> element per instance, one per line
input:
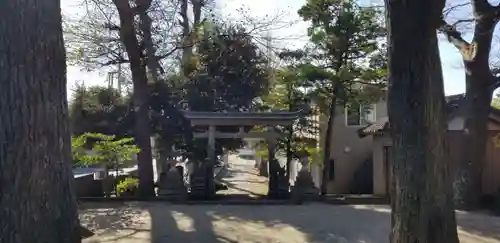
<point x="242" y="178"/>
<point x="159" y="222"/>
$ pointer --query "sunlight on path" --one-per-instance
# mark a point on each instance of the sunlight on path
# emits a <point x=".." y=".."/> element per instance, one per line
<point x="243" y="179"/>
<point x="160" y="222"/>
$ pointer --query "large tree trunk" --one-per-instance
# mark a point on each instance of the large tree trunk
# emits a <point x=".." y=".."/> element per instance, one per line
<point x="189" y="32"/>
<point x="140" y="98"/>
<point x="288" y="144"/>
<point x="325" y="177"/>
<point x="469" y="174"/>
<point x="187" y="50"/>
<point x="147" y="40"/>
<point x="422" y="205"/>
<point x="480" y="83"/>
<point x="37" y="200"/>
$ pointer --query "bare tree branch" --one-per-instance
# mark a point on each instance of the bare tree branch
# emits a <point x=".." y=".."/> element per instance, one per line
<point x="455" y="37"/>
<point x="454" y="7"/>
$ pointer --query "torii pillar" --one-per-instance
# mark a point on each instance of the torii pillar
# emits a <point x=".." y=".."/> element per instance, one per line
<point x="278" y="184"/>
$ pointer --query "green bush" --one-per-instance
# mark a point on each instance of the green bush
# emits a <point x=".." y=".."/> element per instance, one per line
<point x="107" y="150"/>
<point x="127" y="187"/>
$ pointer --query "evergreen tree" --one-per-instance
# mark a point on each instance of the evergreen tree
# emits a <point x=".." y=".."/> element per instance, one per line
<point x="346" y="57"/>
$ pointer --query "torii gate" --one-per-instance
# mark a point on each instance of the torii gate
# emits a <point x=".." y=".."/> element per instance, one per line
<point x="242" y="119"/>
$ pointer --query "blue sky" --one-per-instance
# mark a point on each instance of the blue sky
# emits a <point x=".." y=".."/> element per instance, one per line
<point x="453" y="72"/>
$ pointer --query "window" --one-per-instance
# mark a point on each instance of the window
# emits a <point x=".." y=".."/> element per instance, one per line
<point x="359" y="115"/>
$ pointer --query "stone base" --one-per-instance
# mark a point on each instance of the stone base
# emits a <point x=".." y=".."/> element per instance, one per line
<point x="202" y="183"/>
<point x="299" y="196"/>
<point x="304" y="188"/>
<point x="171" y="186"/>
<point x="173" y="196"/>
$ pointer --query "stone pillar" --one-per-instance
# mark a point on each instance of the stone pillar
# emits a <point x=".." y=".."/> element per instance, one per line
<point x="273" y="168"/>
<point x="279" y="186"/>
<point x="208" y="165"/>
<point x="211" y="143"/>
<point x="258" y="159"/>
<point x="225" y="158"/>
<point x="263" y="167"/>
<point x="202" y="181"/>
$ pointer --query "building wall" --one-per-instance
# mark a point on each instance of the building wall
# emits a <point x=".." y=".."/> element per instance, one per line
<point x="380" y="172"/>
<point x="456" y="123"/>
<point x="491" y="170"/>
<point x="349" y="150"/>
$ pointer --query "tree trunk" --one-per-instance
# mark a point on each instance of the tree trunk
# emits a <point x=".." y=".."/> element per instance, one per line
<point x="37" y="200"/>
<point x="140" y="98"/>
<point x="188" y="32"/>
<point x="480" y="83"/>
<point x="288" y="148"/>
<point x="289" y="138"/>
<point x="325" y="177"/>
<point x="468" y="181"/>
<point x="152" y="61"/>
<point x="187" y="49"/>
<point x="422" y="205"/>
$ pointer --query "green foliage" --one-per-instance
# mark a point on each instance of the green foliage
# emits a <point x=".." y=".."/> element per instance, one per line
<point x="315" y="156"/>
<point x="348" y="54"/>
<point x="231" y="71"/>
<point x="343" y="28"/>
<point x="98" y="109"/>
<point x="289" y="92"/>
<point x="106" y="149"/>
<point x="262" y="152"/>
<point x="129" y="184"/>
<point x="167" y="120"/>
<point x="496" y="102"/>
<point x="102" y="110"/>
<point x="79" y="152"/>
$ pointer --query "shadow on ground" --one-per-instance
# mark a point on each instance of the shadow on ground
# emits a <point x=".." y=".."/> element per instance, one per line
<point x="233" y="172"/>
<point x="159" y="222"/>
<point x="479" y="224"/>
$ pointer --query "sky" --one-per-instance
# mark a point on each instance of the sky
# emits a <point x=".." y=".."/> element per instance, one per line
<point x="453" y="74"/>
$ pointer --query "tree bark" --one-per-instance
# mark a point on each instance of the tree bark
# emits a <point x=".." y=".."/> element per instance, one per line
<point x="288" y="144"/>
<point x="187" y="51"/>
<point x="37" y="200"/>
<point x="325" y="177"/>
<point x="469" y="172"/>
<point x="140" y="98"/>
<point x="422" y="205"/>
<point x="188" y="32"/>
<point x="480" y="83"/>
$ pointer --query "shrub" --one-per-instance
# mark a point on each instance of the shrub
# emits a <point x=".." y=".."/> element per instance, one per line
<point x="127" y="187"/>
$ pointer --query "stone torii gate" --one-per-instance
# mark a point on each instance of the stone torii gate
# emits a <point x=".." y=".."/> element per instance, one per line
<point x="203" y="180"/>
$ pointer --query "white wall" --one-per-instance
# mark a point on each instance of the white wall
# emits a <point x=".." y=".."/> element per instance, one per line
<point x="456" y="124"/>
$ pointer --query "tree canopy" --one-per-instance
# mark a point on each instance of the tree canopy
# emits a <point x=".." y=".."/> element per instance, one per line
<point x="231" y="71"/>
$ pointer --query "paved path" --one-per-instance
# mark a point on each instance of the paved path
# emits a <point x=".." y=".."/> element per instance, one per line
<point x="242" y="178"/>
<point x="158" y="222"/>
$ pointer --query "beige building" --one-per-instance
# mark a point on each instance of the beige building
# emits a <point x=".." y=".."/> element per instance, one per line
<point x="360" y="148"/>
<point x="348" y="150"/>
